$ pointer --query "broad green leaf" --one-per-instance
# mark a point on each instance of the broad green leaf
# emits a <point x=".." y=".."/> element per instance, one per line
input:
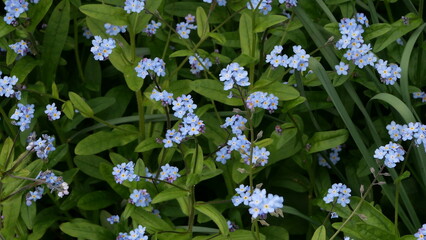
<point x="105" y="140"/>
<point x="275" y="232"/>
<point x="246" y="34"/>
<point x="398" y="30"/>
<point x="214" y="90"/>
<point x="37" y="12"/>
<point x="23" y="67"/>
<point x="197" y="161"/>
<point x="282" y="91"/>
<point x="332" y="28"/>
<point x="106" y="13"/>
<point x="68" y="109"/>
<point x="28" y="214"/>
<point x="218" y="37"/>
<point x="90" y="165"/>
<point x="105" y="169"/>
<point x="181" y="53"/>
<point x="86" y="230"/>
<point x="54" y="40"/>
<point x="44" y="219"/>
<point x="320" y="233"/>
<point x="237" y="235"/>
<point x="5" y="28"/>
<point x="80" y="105"/>
<point x="202" y="22"/>
<point x="133" y="81"/>
<point x="6" y="152"/>
<point x="396" y="104"/>
<point x="284" y="145"/>
<point x="364" y="231"/>
<point x="96" y="200"/>
<point x="214" y="215"/>
<point x="150" y="221"/>
<point x="117" y="158"/>
<point x="321" y="141"/>
<point x="148" y="144"/>
<point x="376" y="30"/>
<point x="403" y="176"/>
<point x="11" y="215"/>
<point x="93" y="74"/>
<point x="169" y="194"/>
<point x="267" y="21"/>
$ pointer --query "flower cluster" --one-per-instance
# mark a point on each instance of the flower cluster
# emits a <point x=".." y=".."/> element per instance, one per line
<point x="87" y="33"/>
<point x="289" y="3"/>
<point x="152" y="28"/>
<point x="421" y="233"/>
<point x="113" y="29"/>
<point x="33" y="196"/>
<point x="340" y="191"/>
<point x="102" y="48"/>
<point x="234" y="74"/>
<point x="262" y="100"/>
<point x="134" y="6"/>
<point x="140" y="198"/>
<point x="54" y="183"/>
<point x="219" y="2"/>
<point x="125" y="171"/>
<point x="299" y="61"/>
<point x="421" y="95"/>
<point x="360" y="53"/>
<point x="21" y="48"/>
<point x="334" y="157"/>
<point x="392" y="153"/>
<point x="113" y="219"/>
<point x="137" y="233"/>
<point x="165" y="97"/>
<point x="52" y="112"/>
<point x="42" y="146"/>
<point x="14" y="8"/>
<point x="184" y="28"/>
<point x="264" y="6"/>
<point x="169" y="173"/>
<point x="153" y="67"/>
<point x="237" y="124"/>
<point x="6" y="87"/>
<point x="413" y="131"/>
<point x="259" y="201"/>
<point x="198" y="66"/>
<point x="23" y="115"/>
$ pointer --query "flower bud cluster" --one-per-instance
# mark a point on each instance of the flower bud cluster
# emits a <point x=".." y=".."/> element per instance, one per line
<point x="339" y="191"/>
<point x="42" y="146"/>
<point x="7" y="85"/>
<point x="113" y="30"/>
<point x="102" y="48"/>
<point x="259" y="201"/>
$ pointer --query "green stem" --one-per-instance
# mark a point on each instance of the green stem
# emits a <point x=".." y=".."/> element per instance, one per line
<point x="191" y="217"/>
<point x="388" y="11"/>
<point x="76" y="48"/>
<point x="17" y="163"/>
<point x="141" y="112"/>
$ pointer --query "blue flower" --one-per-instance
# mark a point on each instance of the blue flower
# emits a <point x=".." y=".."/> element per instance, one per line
<point x="125" y="171"/>
<point x="421" y="233"/>
<point x="21" y="48"/>
<point x="134" y="6"/>
<point x="113" y="29"/>
<point x="113" y="219"/>
<point x="169" y="173"/>
<point x="339" y="191"/>
<point x="52" y="112"/>
<point x="33" y="196"/>
<point x="54" y="183"/>
<point x="23" y="116"/>
<point x="138" y="233"/>
<point x="153" y="67"/>
<point x="102" y="48"/>
<point x="152" y="28"/>
<point x="140" y="198"/>
<point x="342" y="69"/>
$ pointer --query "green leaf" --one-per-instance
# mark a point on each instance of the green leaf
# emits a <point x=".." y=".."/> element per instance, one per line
<point x="6" y="152"/>
<point x="11" y="215"/>
<point x="5" y="28"/>
<point x="106" y="13"/>
<point x="68" y="109"/>
<point x="148" y="144"/>
<point x="90" y="165"/>
<point x="150" y="221"/>
<point x="104" y="140"/>
<point x="267" y="21"/>
<point x="96" y="200"/>
<point x="86" y="230"/>
<point x="214" y="215"/>
<point x="282" y="91"/>
<point x="197" y="161"/>
<point x="133" y="81"/>
<point x="105" y="169"/>
<point x="214" y="90"/>
<point x="396" y="104"/>
<point x="218" y="37"/>
<point x="44" y="219"/>
<point x="37" y="12"/>
<point x="28" y="214"/>
<point x="275" y="232"/>
<point x="398" y="30"/>
<point x="202" y="22"/>
<point x="376" y="30"/>
<point x="54" y="40"/>
<point x="93" y="74"/>
<point x="169" y="194"/>
<point x="23" y="67"/>
<point x="182" y="53"/>
<point x="246" y="34"/>
<point x="320" y="233"/>
<point x="321" y="141"/>
<point x="403" y="176"/>
<point x="80" y="105"/>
